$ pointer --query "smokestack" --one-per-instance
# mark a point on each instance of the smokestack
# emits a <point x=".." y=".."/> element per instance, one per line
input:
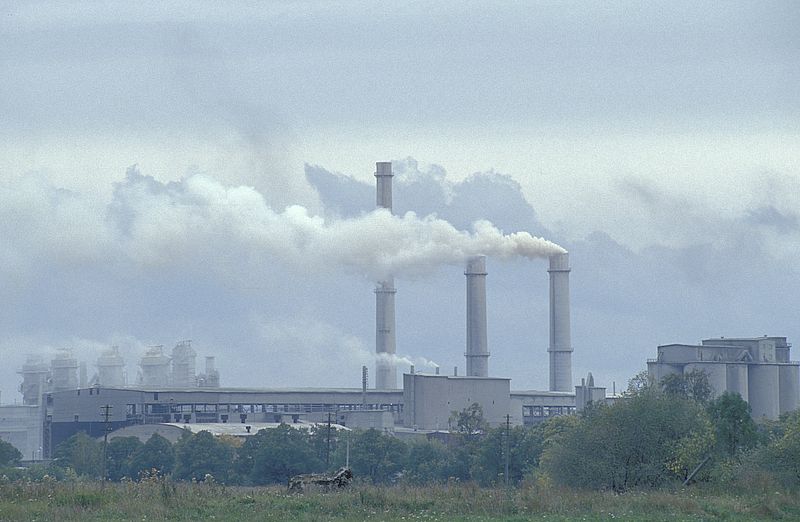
<point x="560" y="341"/>
<point x="363" y="385"/>
<point x="385" y="347"/>
<point x="477" y="345"/>
<point x="383" y="174"/>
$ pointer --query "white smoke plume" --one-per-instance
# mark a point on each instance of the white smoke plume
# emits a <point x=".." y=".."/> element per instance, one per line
<point x="417" y="362"/>
<point x="200" y="211"/>
<point x="156" y="225"/>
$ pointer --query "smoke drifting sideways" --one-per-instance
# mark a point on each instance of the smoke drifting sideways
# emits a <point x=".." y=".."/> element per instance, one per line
<point x="155" y="225"/>
<point x="162" y="220"/>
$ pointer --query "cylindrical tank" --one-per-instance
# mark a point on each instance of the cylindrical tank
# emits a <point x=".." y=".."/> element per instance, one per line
<point x="560" y="340"/>
<point x="737" y="380"/>
<point x="764" y="390"/>
<point x="717" y="375"/>
<point x="477" y="339"/>
<point x="789" y="379"/>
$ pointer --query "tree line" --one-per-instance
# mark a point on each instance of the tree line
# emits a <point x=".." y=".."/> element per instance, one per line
<point x="657" y="434"/>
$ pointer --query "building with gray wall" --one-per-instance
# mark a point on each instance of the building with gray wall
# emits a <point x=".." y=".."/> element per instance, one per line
<point x="430" y="400"/>
<point x="757" y="368"/>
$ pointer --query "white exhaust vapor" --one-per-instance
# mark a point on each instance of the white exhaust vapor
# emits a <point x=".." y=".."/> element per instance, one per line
<point x="199" y="211"/>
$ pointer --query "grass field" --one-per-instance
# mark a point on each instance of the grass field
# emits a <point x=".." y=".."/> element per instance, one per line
<point x="159" y="499"/>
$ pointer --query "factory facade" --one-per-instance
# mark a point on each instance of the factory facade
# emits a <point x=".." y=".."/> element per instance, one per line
<point x="61" y="400"/>
<point x="759" y="369"/>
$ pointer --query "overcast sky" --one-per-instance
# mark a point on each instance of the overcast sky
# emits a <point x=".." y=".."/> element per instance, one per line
<point x="658" y="142"/>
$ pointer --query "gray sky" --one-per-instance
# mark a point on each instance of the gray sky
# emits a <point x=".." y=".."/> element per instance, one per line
<point x="657" y="141"/>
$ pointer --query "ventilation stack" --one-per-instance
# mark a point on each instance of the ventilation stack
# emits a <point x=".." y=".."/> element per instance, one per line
<point x="560" y="342"/>
<point x="184" y="365"/>
<point x="210" y="379"/>
<point x="385" y="347"/>
<point x="34" y="378"/>
<point x="155" y="367"/>
<point x="477" y="345"/>
<point x="64" y="371"/>
<point x="111" y="368"/>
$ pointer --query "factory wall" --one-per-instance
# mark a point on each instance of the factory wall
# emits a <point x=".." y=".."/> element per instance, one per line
<point x="430" y="400"/>
<point x="21" y="426"/>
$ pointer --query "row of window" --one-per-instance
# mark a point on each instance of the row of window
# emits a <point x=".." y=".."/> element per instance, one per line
<point x="162" y="408"/>
<point x="547" y="411"/>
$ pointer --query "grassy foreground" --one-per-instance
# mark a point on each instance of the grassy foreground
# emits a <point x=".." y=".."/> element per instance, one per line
<point x="159" y="499"/>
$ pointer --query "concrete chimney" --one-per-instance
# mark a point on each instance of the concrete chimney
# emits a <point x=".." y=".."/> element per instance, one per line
<point x="385" y="347"/>
<point x="560" y="341"/>
<point x="383" y="175"/>
<point x="477" y="345"/>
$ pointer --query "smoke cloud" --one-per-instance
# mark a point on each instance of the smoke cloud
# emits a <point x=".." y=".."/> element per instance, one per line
<point x="157" y="225"/>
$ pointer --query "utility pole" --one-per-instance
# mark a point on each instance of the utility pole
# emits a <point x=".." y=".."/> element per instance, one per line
<point x="106" y="413"/>
<point x="508" y="444"/>
<point x="328" y="449"/>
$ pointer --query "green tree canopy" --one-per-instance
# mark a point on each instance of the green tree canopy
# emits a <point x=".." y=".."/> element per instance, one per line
<point x="120" y="451"/>
<point x="643" y="440"/>
<point x="201" y="454"/>
<point x="274" y="455"/>
<point x="430" y="461"/>
<point x="9" y="455"/>
<point x="157" y="453"/>
<point x="735" y="428"/>
<point x="376" y="456"/>
<point x="525" y="448"/>
<point x="693" y="385"/>
<point x="468" y="421"/>
<point x="81" y="453"/>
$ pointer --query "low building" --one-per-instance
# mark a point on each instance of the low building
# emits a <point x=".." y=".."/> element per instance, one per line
<point x="22" y="425"/>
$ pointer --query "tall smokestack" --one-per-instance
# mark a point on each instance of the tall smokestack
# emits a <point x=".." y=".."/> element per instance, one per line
<point x="560" y="341"/>
<point x="477" y="345"/>
<point x="385" y="348"/>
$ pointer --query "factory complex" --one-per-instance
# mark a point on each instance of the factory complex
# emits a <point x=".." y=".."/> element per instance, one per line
<point x="59" y="399"/>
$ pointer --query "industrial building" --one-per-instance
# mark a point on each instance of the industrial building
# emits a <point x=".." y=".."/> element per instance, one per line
<point x="758" y="368"/>
<point x="169" y="393"/>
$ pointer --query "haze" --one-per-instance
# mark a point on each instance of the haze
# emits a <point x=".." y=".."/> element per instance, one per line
<point x="657" y="142"/>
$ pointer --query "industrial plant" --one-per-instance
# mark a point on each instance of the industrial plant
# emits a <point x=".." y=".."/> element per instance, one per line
<point x="60" y="399"/>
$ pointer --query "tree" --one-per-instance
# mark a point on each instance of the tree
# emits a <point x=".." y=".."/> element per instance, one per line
<point x="81" y="453"/>
<point x="272" y="456"/>
<point x="644" y="440"/>
<point x="201" y="454"/>
<point x="9" y="455"/>
<point x="693" y="385"/>
<point x="157" y="453"/>
<point x="639" y="383"/>
<point x="376" y="456"/>
<point x="468" y="421"/>
<point x="525" y="449"/>
<point x="735" y="429"/>
<point x="430" y="461"/>
<point x="120" y="451"/>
